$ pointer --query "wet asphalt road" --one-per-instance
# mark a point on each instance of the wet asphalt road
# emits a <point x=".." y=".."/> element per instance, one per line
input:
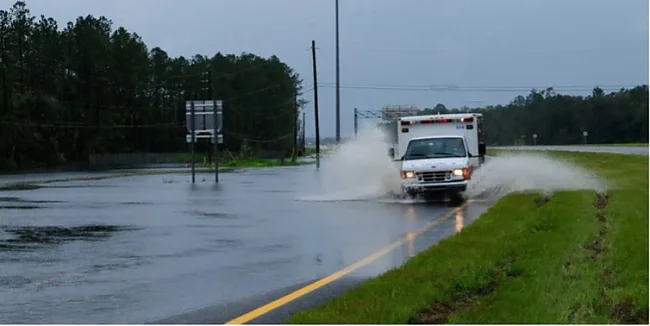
<point x="158" y="249"/>
<point x="596" y="149"/>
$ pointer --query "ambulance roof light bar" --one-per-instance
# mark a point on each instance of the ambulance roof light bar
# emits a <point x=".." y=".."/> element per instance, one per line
<point x="436" y="120"/>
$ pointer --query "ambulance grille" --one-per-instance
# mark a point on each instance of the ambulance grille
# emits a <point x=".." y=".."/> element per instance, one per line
<point x="438" y="176"/>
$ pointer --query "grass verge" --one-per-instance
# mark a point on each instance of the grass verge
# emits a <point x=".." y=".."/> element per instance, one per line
<point x="576" y="257"/>
<point x="258" y="163"/>
<point x="202" y="160"/>
<point x="620" y="145"/>
<point x="223" y="157"/>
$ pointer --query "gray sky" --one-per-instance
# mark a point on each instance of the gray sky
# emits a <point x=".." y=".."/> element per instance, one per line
<point x="496" y="43"/>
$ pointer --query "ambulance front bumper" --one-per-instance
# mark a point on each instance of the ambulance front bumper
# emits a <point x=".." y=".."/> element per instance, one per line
<point x="422" y="188"/>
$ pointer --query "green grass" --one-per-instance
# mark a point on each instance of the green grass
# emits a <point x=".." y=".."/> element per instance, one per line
<point x="621" y="145"/>
<point x="201" y="160"/>
<point x="258" y="163"/>
<point x="570" y="260"/>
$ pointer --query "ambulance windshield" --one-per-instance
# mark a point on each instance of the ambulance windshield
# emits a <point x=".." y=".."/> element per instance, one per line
<point x="428" y="148"/>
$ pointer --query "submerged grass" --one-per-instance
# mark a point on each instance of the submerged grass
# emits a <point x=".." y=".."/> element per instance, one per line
<point x="259" y="163"/>
<point x="246" y="162"/>
<point x="31" y="237"/>
<point x="576" y="257"/>
<point x="226" y="166"/>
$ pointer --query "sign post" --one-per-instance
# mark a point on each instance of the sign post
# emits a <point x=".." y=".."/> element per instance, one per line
<point x="200" y="127"/>
<point x="216" y="108"/>
<point x="534" y="139"/>
<point x="193" y="131"/>
<point x="585" y="134"/>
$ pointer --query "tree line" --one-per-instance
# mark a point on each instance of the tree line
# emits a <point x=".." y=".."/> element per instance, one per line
<point x="88" y="88"/>
<point x="560" y="119"/>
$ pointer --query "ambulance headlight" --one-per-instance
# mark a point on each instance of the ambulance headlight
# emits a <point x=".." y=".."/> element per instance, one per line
<point x="408" y="175"/>
<point x="465" y="173"/>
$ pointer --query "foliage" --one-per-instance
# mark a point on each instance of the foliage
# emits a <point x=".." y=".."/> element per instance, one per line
<point x="557" y="119"/>
<point x="89" y="88"/>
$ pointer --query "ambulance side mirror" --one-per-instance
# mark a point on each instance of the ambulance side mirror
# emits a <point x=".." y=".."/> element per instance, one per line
<point x="391" y="152"/>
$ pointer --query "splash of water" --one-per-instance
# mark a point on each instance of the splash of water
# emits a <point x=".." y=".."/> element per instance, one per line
<point x="359" y="169"/>
<point x="526" y="173"/>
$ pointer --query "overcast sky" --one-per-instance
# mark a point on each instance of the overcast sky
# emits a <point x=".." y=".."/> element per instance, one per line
<point x="496" y="43"/>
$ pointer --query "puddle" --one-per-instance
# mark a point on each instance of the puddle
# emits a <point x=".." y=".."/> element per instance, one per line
<point x="19" y="207"/>
<point x="129" y="263"/>
<point x="226" y="243"/>
<point x="212" y="215"/>
<point x="221" y="226"/>
<point x="79" y="186"/>
<point x="20" y="200"/>
<point x="274" y="247"/>
<point x="20" y="203"/>
<point x="19" y="186"/>
<point x="55" y="234"/>
<point x="14" y="281"/>
<point x="13" y="247"/>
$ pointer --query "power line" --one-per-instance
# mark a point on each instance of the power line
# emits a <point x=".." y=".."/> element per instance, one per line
<point x="451" y="85"/>
<point x="263" y="89"/>
<point x="456" y="88"/>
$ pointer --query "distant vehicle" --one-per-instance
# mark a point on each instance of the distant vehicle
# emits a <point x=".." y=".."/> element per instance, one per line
<point x="436" y="154"/>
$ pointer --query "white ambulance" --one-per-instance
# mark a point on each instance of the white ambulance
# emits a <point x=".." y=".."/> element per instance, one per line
<point x="438" y="153"/>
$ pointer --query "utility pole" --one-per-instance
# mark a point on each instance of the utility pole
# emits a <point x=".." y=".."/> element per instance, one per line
<point x="313" y="57"/>
<point x="295" y="129"/>
<point x="215" y="137"/>
<point x="302" y="134"/>
<point x="338" y="84"/>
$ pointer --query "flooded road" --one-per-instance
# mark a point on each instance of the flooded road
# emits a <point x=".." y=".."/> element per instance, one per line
<point x="144" y="248"/>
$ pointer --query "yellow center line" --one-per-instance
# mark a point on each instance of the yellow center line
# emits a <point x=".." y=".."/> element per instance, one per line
<point x="331" y="278"/>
